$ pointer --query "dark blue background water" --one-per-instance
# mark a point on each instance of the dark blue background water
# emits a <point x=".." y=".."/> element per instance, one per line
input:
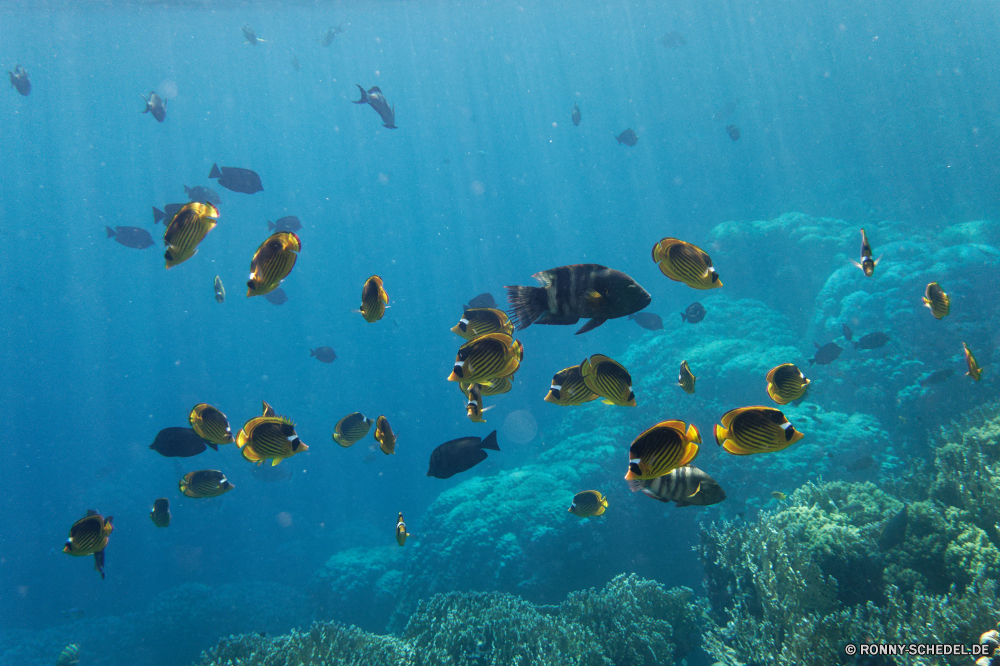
<point x="846" y="109"/>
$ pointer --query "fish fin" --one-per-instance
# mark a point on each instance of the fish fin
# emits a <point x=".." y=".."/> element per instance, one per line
<point x="879" y="259"/>
<point x="636" y="485"/>
<point x="275" y="461"/>
<point x="720" y="434"/>
<point x="490" y="442"/>
<point x="591" y="325"/>
<point x="608" y="402"/>
<point x="696" y="490"/>
<point x="857" y="264"/>
<point x="109" y="231"/>
<point x="681" y="503"/>
<point x="527" y="305"/>
<point x="213" y="445"/>
<point x="158" y="215"/>
<point x="364" y="95"/>
<point x="684" y="316"/>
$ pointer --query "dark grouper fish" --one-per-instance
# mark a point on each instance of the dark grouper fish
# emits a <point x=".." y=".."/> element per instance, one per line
<point x="571" y="293"/>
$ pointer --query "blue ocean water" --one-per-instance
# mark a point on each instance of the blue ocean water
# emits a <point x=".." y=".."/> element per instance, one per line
<point x="846" y="109"/>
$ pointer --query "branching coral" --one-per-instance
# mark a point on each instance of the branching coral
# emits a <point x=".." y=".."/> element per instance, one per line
<point x="631" y="622"/>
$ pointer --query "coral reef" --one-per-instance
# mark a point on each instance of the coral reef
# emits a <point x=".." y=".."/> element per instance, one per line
<point x="838" y="565"/>
<point x="631" y="621"/>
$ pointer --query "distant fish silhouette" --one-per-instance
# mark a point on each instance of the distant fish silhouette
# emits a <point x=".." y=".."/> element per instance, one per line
<point x="576" y="113"/>
<point x="628" y="137"/>
<point x="375" y="99"/>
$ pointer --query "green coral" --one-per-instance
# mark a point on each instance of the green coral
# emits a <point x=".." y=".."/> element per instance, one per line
<point x="631" y="622"/>
<point x="802" y="582"/>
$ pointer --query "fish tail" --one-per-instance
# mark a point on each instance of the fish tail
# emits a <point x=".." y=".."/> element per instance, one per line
<point x="527" y="304"/>
<point x="158" y="215"/>
<point x="364" y="95"/>
<point x="109" y="231"/>
<point x="684" y="316"/>
<point x="490" y="441"/>
<point x="215" y="173"/>
<point x="271" y="225"/>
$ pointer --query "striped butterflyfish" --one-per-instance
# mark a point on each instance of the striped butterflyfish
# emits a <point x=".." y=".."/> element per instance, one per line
<point x="204" y="483"/>
<point x="210" y="424"/>
<point x="588" y="503"/>
<point x="685" y="486"/>
<point x="687" y="263"/>
<point x="609" y="379"/>
<point x="480" y="321"/>
<point x="70" y="655"/>
<point x="867" y="264"/>
<point x="661" y="449"/>
<point x="351" y="428"/>
<point x="385" y="436"/>
<point x="755" y="429"/>
<point x="487" y="357"/>
<point x="568" y="389"/>
<point x="272" y="262"/>
<point x="188" y="227"/>
<point x="373" y="299"/>
<point x="269" y="438"/>
<point x="89" y="536"/>
<point x="571" y="293"/>
<point x="686" y="378"/>
<point x="974" y="370"/>
<point x="160" y="515"/>
<point x="937" y="300"/>
<point x="401" y="532"/>
<point x="474" y="406"/>
<point x="495" y="386"/>
<point x="786" y="383"/>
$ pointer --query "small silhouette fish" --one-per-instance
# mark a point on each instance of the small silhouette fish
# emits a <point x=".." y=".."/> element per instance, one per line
<point x="628" y="137"/>
<point x="155" y="105"/>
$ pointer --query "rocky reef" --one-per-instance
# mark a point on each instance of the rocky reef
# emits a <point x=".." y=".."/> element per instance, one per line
<point x="631" y="621"/>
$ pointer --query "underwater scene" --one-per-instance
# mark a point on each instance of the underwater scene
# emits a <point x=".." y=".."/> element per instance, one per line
<point x="447" y="332"/>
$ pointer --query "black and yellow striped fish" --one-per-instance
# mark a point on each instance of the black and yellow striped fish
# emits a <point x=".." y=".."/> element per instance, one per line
<point x="609" y="379"/>
<point x="686" y="379"/>
<point x="160" y="515"/>
<point x="568" y="388"/>
<point x="204" y="483"/>
<point x="210" y="424"/>
<point x="385" y="436"/>
<point x="755" y="429"/>
<point x="867" y="264"/>
<point x="687" y="263"/>
<point x="70" y="655"/>
<point x="89" y="536"/>
<point x="272" y="262"/>
<point x="495" y="386"/>
<point x="373" y="299"/>
<point x="474" y="407"/>
<point x="937" y="300"/>
<point x="588" y="503"/>
<point x="351" y="428"/>
<point x="662" y="449"/>
<point x="786" y="383"/>
<point x="480" y="321"/>
<point x="188" y="228"/>
<point x="269" y="437"/>
<point x="487" y="357"/>
<point x="401" y="532"/>
<point x="974" y="370"/>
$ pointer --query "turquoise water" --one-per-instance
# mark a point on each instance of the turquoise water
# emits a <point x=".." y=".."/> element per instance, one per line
<point x="846" y="111"/>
